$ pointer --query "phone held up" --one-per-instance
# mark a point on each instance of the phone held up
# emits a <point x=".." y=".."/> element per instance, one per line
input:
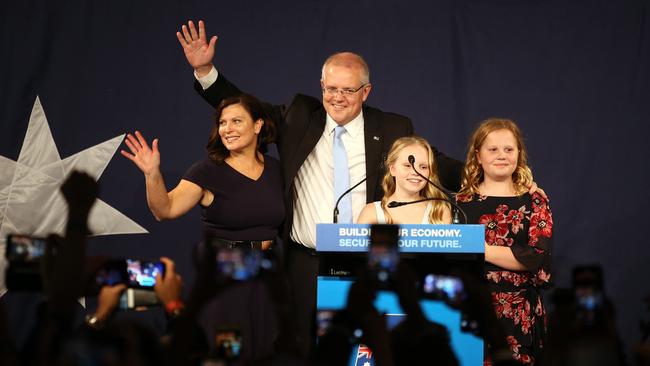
<point x="24" y="254"/>
<point x="383" y="253"/>
<point x="138" y="275"/>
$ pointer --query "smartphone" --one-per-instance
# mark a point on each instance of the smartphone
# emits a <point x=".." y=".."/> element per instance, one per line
<point x="589" y="301"/>
<point x="588" y="294"/>
<point x="135" y="273"/>
<point x="111" y="273"/>
<point x="142" y="274"/>
<point x="443" y="287"/>
<point x="469" y="325"/>
<point x="324" y="320"/>
<point x="24" y="253"/>
<point x="239" y="263"/>
<point x="138" y="299"/>
<point x="24" y="248"/>
<point x="383" y="253"/>
<point x="589" y="306"/>
<point x="228" y="342"/>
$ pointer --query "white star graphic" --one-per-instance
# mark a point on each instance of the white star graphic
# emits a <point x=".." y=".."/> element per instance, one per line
<point x="30" y="201"/>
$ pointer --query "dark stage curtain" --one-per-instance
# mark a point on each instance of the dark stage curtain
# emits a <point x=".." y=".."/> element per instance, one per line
<point x="574" y="74"/>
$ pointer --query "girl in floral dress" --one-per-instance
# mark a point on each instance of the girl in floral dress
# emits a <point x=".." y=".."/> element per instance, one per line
<point x="518" y="232"/>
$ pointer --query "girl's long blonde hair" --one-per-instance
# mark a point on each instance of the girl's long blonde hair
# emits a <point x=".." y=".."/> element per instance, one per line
<point x="522" y="177"/>
<point x="388" y="183"/>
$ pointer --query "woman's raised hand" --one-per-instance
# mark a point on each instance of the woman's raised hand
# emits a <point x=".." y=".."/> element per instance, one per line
<point x="144" y="157"/>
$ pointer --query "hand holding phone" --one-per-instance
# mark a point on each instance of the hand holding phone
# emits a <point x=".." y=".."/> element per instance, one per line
<point x="107" y="300"/>
<point x="169" y="284"/>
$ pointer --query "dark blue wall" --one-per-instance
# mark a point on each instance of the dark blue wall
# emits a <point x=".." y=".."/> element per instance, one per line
<point x="575" y="75"/>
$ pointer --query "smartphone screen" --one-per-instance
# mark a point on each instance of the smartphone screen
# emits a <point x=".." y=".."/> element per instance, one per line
<point x="383" y="253"/>
<point x="324" y="319"/>
<point x="111" y="273"/>
<point x="24" y="248"/>
<point x="443" y="287"/>
<point x="24" y="252"/>
<point x="589" y="301"/>
<point x="239" y="264"/>
<point x="383" y="261"/>
<point x="143" y="273"/>
<point x="228" y="344"/>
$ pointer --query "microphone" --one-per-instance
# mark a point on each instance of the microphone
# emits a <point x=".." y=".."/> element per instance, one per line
<point x="393" y="204"/>
<point x="449" y="194"/>
<point x="335" y="218"/>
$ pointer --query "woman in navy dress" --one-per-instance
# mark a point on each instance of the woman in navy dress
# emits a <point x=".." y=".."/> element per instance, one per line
<point x="237" y="186"/>
<point x="239" y="190"/>
<point x="518" y="232"/>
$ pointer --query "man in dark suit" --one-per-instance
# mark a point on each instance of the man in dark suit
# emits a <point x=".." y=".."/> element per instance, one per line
<point x="306" y="142"/>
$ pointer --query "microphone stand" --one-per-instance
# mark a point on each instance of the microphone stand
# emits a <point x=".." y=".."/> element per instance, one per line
<point x="393" y="204"/>
<point x="455" y="219"/>
<point x="449" y="194"/>
<point x="335" y="219"/>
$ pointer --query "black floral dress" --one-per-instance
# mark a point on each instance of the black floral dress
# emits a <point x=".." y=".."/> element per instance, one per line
<point x="524" y="224"/>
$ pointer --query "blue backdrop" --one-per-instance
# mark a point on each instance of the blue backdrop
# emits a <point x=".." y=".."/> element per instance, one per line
<point x="575" y="75"/>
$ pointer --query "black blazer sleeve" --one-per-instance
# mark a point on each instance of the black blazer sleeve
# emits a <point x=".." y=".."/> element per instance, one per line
<point x="220" y="90"/>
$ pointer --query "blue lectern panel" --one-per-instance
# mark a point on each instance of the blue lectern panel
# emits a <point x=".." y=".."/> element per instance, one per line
<point x="413" y="238"/>
<point x="444" y="239"/>
<point x="333" y="291"/>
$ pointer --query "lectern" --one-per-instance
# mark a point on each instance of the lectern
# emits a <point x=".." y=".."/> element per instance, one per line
<point x="428" y="249"/>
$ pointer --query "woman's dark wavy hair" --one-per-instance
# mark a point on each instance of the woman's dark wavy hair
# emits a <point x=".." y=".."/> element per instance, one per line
<point x="216" y="149"/>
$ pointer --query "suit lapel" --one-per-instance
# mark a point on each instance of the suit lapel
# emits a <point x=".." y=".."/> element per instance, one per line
<point x="373" y="144"/>
<point x="373" y="140"/>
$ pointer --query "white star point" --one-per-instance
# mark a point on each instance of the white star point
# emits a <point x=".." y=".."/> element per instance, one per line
<point x="30" y="201"/>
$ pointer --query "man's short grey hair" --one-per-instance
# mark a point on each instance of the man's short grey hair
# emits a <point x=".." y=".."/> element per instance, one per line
<point x="351" y="60"/>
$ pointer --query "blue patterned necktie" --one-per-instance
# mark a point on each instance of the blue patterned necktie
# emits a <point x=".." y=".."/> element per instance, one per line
<point x="341" y="177"/>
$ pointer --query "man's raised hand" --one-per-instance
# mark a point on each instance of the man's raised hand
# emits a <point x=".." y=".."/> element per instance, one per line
<point x="198" y="51"/>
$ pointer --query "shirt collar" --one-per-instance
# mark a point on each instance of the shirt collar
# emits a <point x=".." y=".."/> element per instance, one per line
<point x="354" y="127"/>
